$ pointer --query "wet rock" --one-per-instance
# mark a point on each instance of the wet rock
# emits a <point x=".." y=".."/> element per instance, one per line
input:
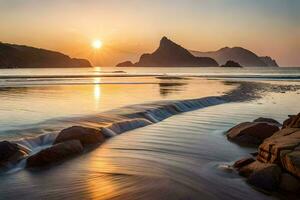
<point x="289" y="183"/>
<point x="243" y="162"/>
<point x="274" y="149"/>
<point x="251" y="133"/>
<point x="247" y="170"/>
<point x="10" y="153"/>
<point x="266" y="178"/>
<point x="292" y="122"/>
<point x="291" y="162"/>
<point x="87" y="136"/>
<point x="254" y="154"/>
<point x="268" y="120"/>
<point x="55" y="153"/>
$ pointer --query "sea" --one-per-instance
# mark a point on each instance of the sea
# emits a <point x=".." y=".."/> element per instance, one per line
<point x="179" y="155"/>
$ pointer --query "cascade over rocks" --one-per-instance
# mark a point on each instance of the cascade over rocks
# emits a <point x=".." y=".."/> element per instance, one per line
<point x="55" y="153"/>
<point x="87" y="136"/>
<point x="11" y="153"/>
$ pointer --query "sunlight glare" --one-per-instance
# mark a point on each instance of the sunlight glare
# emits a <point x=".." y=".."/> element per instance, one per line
<point x="97" y="44"/>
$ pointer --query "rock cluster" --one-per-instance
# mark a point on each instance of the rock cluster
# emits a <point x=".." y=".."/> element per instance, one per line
<point x="69" y="142"/>
<point x="277" y="165"/>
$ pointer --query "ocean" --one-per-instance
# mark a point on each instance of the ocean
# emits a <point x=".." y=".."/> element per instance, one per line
<point x="179" y="156"/>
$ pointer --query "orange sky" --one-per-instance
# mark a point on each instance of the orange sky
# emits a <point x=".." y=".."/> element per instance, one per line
<point x="130" y="28"/>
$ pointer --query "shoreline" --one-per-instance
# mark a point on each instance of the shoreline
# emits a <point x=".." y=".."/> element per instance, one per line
<point x="123" y="119"/>
<point x="189" y="150"/>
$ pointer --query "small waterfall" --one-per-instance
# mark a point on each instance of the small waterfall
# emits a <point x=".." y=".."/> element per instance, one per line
<point x="118" y="121"/>
<point x="35" y="144"/>
<point x="123" y="126"/>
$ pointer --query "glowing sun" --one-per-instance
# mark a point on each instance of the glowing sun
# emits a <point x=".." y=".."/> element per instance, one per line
<point x="97" y="44"/>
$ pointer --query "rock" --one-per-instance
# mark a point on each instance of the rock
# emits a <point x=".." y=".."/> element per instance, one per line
<point x="254" y="154"/>
<point x="291" y="162"/>
<point x="275" y="147"/>
<point x="231" y="63"/>
<point x="268" y="120"/>
<point x="247" y="170"/>
<point x="292" y="122"/>
<point x="10" y="153"/>
<point x="243" y="162"/>
<point x="87" y="136"/>
<point x="289" y="183"/>
<point x="251" y="133"/>
<point x="125" y="64"/>
<point x="55" y="153"/>
<point x="267" y="178"/>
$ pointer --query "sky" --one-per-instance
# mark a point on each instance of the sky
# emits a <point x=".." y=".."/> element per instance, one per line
<point x="129" y="28"/>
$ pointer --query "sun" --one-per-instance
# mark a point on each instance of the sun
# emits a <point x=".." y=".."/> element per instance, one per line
<point x="97" y="44"/>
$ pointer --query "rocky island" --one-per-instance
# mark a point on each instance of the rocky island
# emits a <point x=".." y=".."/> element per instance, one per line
<point x="241" y="55"/>
<point x="170" y="54"/>
<point x="231" y="63"/>
<point x="20" y="56"/>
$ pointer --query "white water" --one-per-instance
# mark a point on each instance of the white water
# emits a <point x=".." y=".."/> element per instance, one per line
<point x="124" y="119"/>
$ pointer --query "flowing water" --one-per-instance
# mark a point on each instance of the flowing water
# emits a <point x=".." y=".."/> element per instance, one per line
<point x="185" y="156"/>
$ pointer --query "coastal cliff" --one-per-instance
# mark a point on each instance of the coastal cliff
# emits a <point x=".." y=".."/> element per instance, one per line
<point x="20" y="56"/>
<point x="170" y="54"/>
<point x="238" y="54"/>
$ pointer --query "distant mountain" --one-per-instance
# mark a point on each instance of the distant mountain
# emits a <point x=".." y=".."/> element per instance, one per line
<point x="20" y="56"/>
<point x="269" y="61"/>
<point x="242" y="56"/>
<point x="170" y="54"/>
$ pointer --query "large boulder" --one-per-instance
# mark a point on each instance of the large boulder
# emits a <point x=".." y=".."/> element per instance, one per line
<point x="291" y="162"/>
<point x="87" y="136"/>
<point x="251" y="133"/>
<point x="268" y="120"/>
<point x="247" y="170"/>
<point x="289" y="183"/>
<point x="10" y="153"/>
<point x="266" y="178"/>
<point x="282" y="148"/>
<point x="55" y="153"/>
<point x="292" y="122"/>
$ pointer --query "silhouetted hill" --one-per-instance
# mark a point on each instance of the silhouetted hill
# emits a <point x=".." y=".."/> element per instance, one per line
<point x="269" y="61"/>
<point x="20" y="56"/>
<point x="243" y="56"/>
<point x="170" y="54"/>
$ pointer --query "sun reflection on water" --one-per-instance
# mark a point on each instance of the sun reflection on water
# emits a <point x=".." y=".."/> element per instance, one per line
<point x="97" y="91"/>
